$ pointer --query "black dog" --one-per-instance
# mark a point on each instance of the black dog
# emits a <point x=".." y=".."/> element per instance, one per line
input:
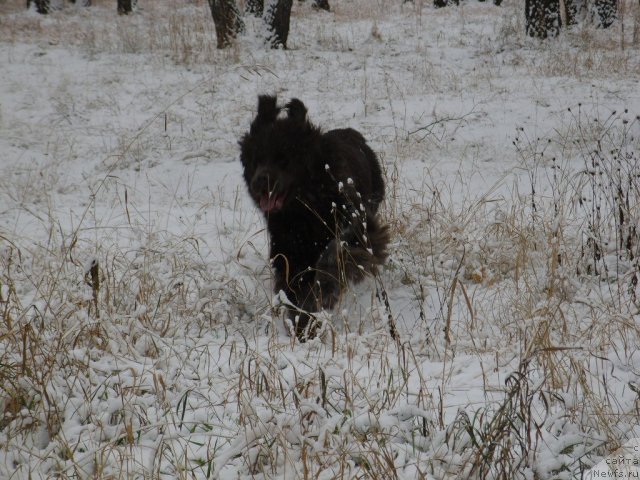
<point x="319" y="193"/>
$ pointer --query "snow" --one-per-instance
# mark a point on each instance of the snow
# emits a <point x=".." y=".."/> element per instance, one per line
<point x="119" y="150"/>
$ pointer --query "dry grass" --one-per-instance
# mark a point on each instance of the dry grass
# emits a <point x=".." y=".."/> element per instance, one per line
<point x="186" y="33"/>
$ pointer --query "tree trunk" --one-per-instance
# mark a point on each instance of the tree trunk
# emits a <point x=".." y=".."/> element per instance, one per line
<point x="607" y="12"/>
<point x="255" y="7"/>
<point x="277" y="18"/>
<point x="542" y="18"/>
<point x="574" y="10"/>
<point x="42" y="6"/>
<point x="324" y="4"/>
<point x="125" y="7"/>
<point x="227" y="21"/>
<point x="445" y="3"/>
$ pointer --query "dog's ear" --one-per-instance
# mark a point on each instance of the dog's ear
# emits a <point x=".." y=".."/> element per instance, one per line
<point x="296" y="110"/>
<point x="267" y="111"/>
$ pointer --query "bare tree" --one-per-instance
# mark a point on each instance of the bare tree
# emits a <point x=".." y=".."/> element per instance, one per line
<point x="42" y="6"/>
<point x="542" y="18"/>
<point x="445" y="3"/>
<point x="574" y="10"/>
<point x="227" y="20"/>
<point x="125" y="7"/>
<point x="601" y="12"/>
<point x="277" y="17"/>
<point x="276" y="14"/>
<point x="255" y="7"/>
<point x="606" y="12"/>
<point x="320" y="4"/>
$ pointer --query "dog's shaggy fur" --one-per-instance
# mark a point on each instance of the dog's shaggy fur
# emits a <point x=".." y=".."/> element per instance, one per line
<point x="319" y="193"/>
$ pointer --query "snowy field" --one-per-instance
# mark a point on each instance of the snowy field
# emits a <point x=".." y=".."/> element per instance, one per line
<point x="139" y="335"/>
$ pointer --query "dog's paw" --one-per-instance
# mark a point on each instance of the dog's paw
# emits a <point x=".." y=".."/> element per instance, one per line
<point x="326" y="290"/>
<point x="301" y="324"/>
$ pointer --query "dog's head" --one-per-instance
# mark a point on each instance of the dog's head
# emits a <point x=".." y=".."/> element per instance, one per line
<point x="275" y="153"/>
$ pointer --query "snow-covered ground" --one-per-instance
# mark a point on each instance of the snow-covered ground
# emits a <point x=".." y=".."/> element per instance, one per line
<point x="139" y="336"/>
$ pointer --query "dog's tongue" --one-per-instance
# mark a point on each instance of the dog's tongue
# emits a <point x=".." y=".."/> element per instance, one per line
<point x="271" y="202"/>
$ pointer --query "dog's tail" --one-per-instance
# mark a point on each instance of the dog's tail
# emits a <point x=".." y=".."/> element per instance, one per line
<point x="349" y="259"/>
<point x="363" y="252"/>
<point x="379" y="238"/>
<point x="356" y="253"/>
<point x="369" y="255"/>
